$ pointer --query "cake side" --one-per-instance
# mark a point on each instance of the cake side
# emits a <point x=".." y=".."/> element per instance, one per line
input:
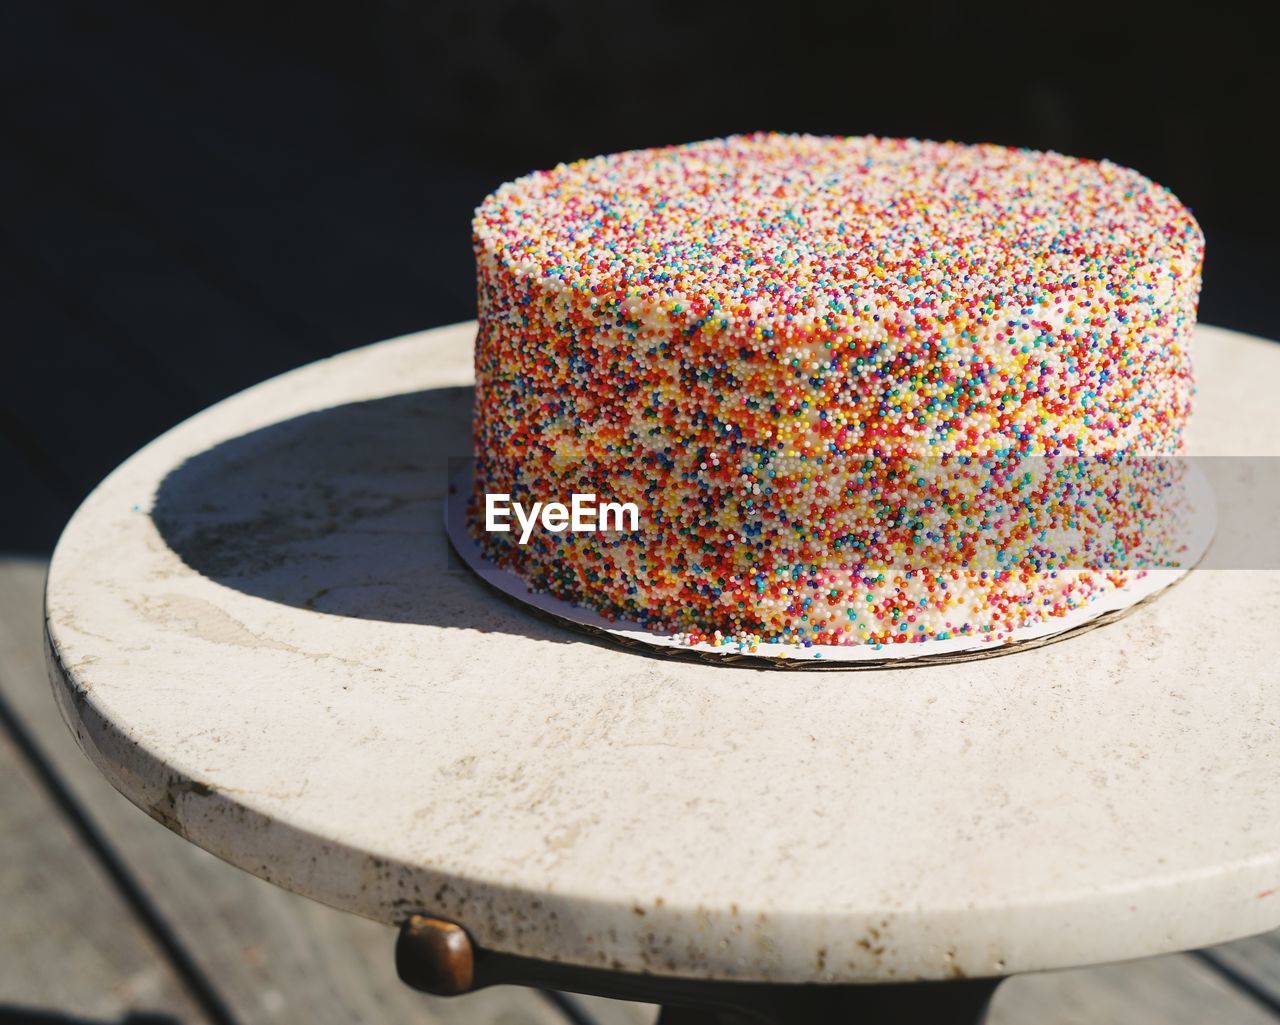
<point x="753" y="339"/>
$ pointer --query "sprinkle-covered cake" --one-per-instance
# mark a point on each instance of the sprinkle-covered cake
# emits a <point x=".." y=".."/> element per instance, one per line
<point x="861" y="390"/>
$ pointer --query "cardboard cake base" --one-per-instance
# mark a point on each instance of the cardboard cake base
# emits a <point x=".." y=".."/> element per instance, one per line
<point x="1107" y="608"/>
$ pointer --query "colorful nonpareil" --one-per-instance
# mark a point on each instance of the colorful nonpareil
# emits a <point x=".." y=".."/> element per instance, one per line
<point x="861" y="390"/>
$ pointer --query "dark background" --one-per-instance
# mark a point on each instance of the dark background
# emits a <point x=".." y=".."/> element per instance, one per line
<point x="199" y="195"/>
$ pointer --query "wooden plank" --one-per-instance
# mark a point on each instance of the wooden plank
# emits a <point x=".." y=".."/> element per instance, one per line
<point x="275" y="957"/>
<point x="1255" y="962"/>
<point x="617" y="1012"/>
<point x="68" y="943"/>
<point x="1173" y="990"/>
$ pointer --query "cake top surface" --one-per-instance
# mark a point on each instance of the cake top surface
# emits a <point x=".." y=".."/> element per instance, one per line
<point x="805" y="227"/>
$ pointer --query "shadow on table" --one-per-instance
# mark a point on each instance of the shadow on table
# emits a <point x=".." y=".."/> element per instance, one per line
<point x="339" y="511"/>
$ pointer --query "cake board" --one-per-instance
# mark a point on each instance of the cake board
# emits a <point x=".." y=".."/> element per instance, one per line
<point x="257" y="633"/>
<point x="1192" y="542"/>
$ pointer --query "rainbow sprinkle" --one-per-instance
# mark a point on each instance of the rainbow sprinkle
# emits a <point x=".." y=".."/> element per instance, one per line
<point x="770" y="343"/>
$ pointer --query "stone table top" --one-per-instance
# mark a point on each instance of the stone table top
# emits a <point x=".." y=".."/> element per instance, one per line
<point x="258" y="633"/>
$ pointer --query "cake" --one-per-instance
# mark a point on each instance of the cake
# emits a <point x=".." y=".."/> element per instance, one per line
<point x="862" y="390"/>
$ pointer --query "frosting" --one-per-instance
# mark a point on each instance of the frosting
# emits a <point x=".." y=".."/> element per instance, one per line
<point x="862" y="390"/>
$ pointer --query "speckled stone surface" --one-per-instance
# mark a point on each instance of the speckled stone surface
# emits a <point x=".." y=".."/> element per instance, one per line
<point x="259" y="635"/>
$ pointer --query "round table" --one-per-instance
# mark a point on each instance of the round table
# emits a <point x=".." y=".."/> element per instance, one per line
<point x="258" y="633"/>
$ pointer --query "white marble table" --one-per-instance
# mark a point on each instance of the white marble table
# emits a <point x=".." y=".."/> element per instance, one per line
<point x="258" y="634"/>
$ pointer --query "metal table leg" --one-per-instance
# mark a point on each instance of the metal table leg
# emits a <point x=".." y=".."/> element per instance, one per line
<point x="439" y="957"/>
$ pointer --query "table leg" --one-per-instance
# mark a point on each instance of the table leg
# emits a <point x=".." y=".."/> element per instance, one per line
<point x="438" y="956"/>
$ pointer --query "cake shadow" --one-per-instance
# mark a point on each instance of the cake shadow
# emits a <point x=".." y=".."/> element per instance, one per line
<point x="340" y="511"/>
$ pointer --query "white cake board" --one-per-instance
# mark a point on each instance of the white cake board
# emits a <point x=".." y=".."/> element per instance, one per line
<point x="314" y="690"/>
<point x="1106" y="608"/>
